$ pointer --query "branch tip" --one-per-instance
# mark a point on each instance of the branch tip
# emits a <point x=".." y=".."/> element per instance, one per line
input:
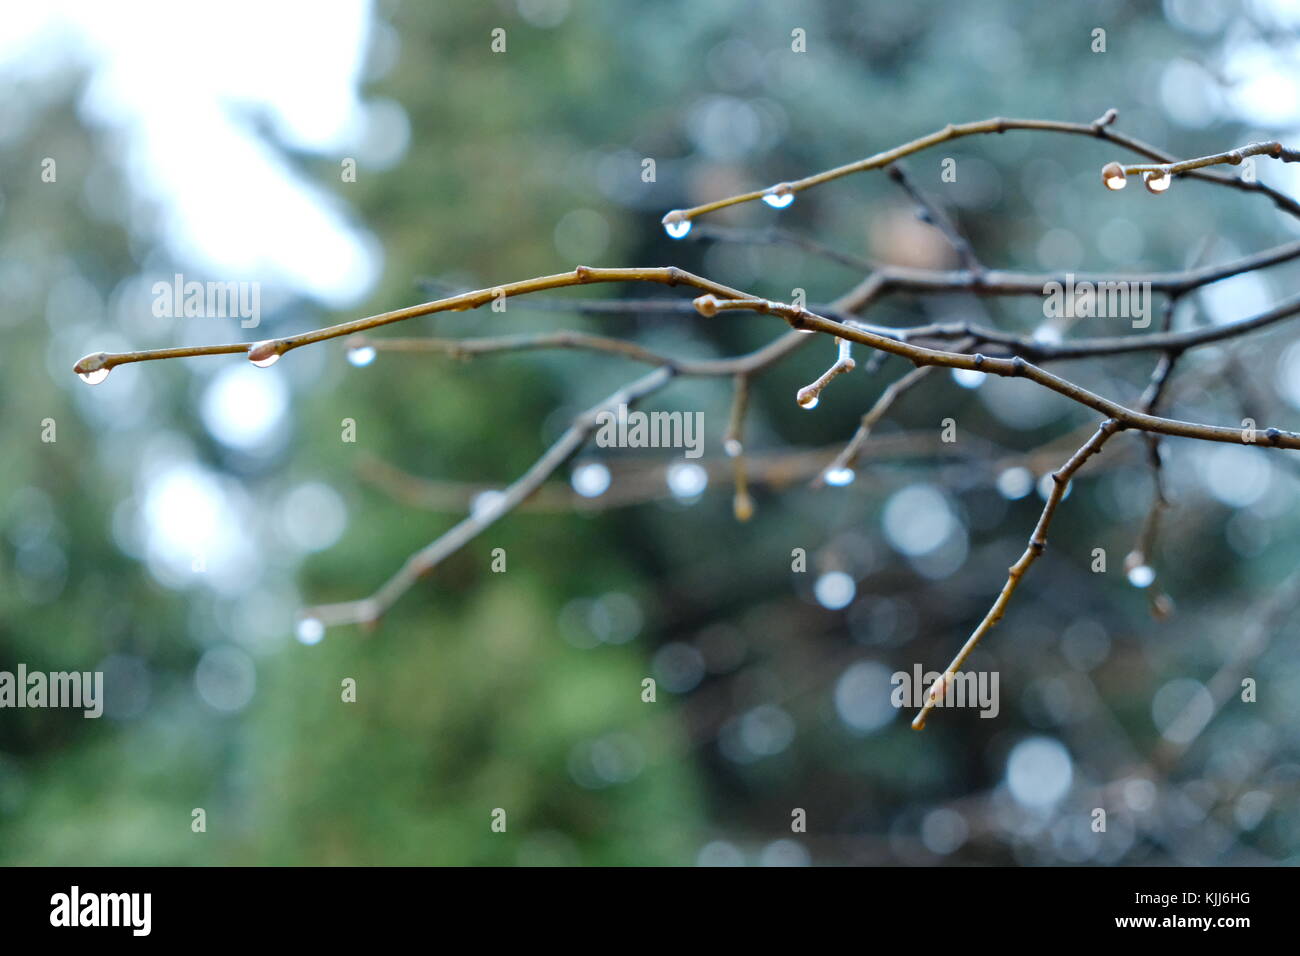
<point x="706" y="305"/>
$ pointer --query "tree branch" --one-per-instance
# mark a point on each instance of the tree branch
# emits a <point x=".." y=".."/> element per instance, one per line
<point x="1098" y="129"/>
<point x="1037" y="544"/>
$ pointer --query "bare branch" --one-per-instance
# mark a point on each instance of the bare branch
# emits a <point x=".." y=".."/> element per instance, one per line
<point x="368" y="610"/>
<point x="840" y="469"/>
<point x="774" y="236"/>
<point x="1015" y="367"/>
<point x="1037" y="544"/>
<point x="1158" y="176"/>
<point x="268" y="351"/>
<point x="809" y="395"/>
<point x="932" y="214"/>
<point x="1099" y="129"/>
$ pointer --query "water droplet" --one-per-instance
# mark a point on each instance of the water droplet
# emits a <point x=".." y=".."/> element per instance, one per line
<point x="310" y="630"/>
<point x="263" y="354"/>
<point x="361" y="355"/>
<point x="968" y="377"/>
<point x="1141" y="576"/>
<point x="1157" y="182"/>
<point x="93" y="368"/>
<point x="1116" y="182"/>
<point x="780" y="196"/>
<point x="839" y="477"/>
<point x="1112" y="174"/>
<point x="733" y="448"/>
<point x="687" y="481"/>
<point x="809" y="403"/>
<point x="676" y="224"/>
<point x="590" y="480"/>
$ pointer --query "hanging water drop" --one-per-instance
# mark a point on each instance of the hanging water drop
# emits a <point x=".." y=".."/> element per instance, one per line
<point x="93" y="368"/>
<point x="361" y="355"/>
<point x="676" y="224"/>
<point x="263" y="354"/>
<point x="839" y="477"/>
<point x="779" y="196"/>
<point x="1112" y="175"/>
<point x="733" y="447"/>
<point x="1157" y="182"/>
<point x="309" y="630"/>
<point x="809" y="403"/>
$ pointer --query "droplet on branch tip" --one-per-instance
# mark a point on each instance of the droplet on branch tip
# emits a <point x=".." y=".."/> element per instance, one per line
<point x="676" y="224"/>
<point x="92" y="369"/>
<point x="839" y="477"/>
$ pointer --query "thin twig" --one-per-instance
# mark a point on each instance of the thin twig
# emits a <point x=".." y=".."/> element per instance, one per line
<point x="775" y="236"/>
<point x="636" y="480"/>
<point x="849" y="456"/>
<point x="809" y="395"/>
<point x="931" y="213"/>
<point x="1016" y="367"/>
<point x="271" y="349"/>
<point x="368" y="610"/>
<point x="880" y="283"/>
<point x="733" y="443"/>
<point x="1037" y="544"/>
<point x="1099" y="129"/>
<point x="1232" y="157"/>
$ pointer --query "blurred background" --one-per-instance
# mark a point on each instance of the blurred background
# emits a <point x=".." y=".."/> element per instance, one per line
<point x="188" y="509"/>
